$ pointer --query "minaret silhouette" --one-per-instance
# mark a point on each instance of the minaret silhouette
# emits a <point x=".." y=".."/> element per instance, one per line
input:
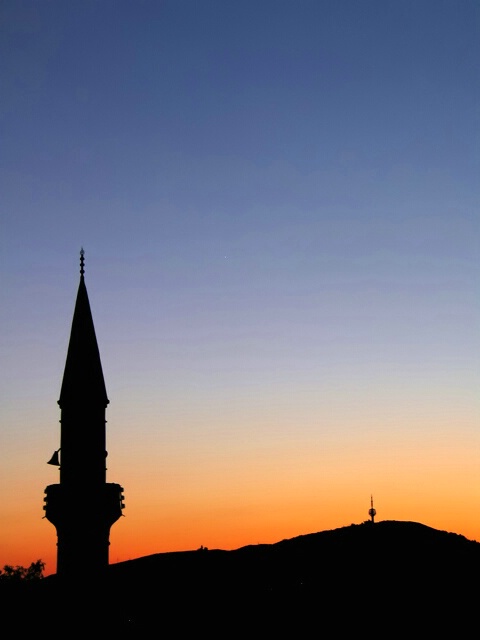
<point x="83" y="506"/>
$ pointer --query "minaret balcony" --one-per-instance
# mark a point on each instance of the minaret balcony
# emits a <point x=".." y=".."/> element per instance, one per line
<point x="65" y="504"/>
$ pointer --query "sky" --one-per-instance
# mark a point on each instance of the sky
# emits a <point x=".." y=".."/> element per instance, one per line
<point x="279" y="207"/>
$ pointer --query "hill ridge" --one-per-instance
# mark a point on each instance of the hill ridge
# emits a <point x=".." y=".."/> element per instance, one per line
<point x="319" y="536"/>
<point x="399" y="575"/>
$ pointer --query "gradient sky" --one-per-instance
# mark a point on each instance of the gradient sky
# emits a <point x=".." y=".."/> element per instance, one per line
<point x="279" y="206"/>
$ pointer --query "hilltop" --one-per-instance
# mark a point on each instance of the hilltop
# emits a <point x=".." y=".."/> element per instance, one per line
<point x="388" y="575"/>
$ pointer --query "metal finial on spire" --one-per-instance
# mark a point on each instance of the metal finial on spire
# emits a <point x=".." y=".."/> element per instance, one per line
<point x="82" y="262"/>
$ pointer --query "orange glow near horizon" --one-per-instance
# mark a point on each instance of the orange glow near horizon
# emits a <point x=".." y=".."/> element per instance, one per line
<point x="260" y="497"/>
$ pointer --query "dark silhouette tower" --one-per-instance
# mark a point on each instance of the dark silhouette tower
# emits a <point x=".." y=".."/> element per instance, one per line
<point x="372" y="512"/>
<point x="83" y="506"/>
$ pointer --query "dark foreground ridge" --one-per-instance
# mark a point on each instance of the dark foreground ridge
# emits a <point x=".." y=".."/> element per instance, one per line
<point x="380" y="578"/>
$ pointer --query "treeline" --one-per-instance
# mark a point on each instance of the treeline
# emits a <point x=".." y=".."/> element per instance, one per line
<point x="18" y="574"/>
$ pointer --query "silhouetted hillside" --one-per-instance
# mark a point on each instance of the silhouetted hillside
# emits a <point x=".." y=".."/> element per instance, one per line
<point x="381" y="578"/>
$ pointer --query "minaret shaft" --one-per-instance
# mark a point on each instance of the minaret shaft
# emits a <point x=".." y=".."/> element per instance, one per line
<point x="83" y="446"/>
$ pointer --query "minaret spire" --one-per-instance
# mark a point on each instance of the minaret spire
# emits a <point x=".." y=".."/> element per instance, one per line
<point x="83" y="376"/>
<point x="83" y="506"/>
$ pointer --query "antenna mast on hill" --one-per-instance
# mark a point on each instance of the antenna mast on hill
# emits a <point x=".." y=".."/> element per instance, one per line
<point x="371" y="512"/>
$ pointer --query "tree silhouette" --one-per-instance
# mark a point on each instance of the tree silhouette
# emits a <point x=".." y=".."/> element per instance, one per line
<point x="19" y="574"/>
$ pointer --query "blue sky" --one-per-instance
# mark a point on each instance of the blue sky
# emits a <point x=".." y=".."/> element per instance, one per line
<point x="278" y="203"/>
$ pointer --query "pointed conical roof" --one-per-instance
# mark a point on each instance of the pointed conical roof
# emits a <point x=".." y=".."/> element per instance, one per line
<point x="83" y="376"/>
